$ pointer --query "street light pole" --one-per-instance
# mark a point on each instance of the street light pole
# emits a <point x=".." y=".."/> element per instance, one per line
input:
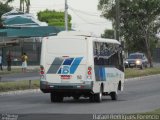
<point x="66" y="15"/>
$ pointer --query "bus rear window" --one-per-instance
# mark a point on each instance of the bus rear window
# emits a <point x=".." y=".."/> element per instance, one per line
<point x="66" y="46"/>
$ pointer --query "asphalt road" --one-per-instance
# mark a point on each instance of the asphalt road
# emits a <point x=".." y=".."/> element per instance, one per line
<point x="139" y="96"/>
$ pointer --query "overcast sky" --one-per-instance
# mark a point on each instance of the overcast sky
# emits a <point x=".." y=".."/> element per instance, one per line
<point x="85" y="16"/>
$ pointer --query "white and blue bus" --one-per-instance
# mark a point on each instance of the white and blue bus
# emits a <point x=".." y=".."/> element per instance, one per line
<point x="75" y="64"/>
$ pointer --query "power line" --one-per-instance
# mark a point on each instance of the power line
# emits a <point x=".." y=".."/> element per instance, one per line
<point x="93" y="23"/>
<point x="79" y="16"/>
<point x="84" y="12"/>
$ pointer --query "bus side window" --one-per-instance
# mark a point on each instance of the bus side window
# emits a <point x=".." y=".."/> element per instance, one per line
<point x="98" y="61"/>
<point x="95" y="61"/>
<point x="101" y="61"/>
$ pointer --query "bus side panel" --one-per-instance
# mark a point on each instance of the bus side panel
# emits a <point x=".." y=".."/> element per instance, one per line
<point x="106" y="59"/>
<point x="112" y="78"/>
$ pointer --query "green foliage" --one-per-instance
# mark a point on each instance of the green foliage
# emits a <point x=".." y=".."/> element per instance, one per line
<point x="53" y="18"/>
<point x="108" y="34"/>
<point x="138" y="21"/>
<point x="3" y="9"/>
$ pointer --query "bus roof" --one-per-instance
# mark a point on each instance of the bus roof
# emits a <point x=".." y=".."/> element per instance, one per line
<point x="85" y="34"/>
<point x="74" y="33"/>
<point x="106" y="40"/>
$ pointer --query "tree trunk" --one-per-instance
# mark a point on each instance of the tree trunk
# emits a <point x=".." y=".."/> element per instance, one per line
<point x="23" y="6"/>
<point x="150" y="58"/>
<point x="148" y="49"/>
<point x="20" y="6"/>
<point x="28" y="8"/>
<point x="27" y="2"/>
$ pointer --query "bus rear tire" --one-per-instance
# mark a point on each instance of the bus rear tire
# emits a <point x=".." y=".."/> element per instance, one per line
<point x="76" y="97"/>
<point x="114" y="95"/>
<point x="92" y="98"/>
<point x="56" y="98"/>
<point x="98" y="96"/>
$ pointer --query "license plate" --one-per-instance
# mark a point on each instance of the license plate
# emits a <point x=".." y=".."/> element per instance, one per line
<point x="132" y="64"/>
<point x="65" y="77"/>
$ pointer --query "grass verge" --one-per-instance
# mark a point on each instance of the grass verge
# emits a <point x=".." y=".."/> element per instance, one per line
<point x="157" y="111"/>
<point x="15" y="70"/>
<point x="18" y="85"/>
<point x="135" y="72"/>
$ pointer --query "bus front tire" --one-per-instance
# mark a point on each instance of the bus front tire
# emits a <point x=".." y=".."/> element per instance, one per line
<point x="113" y="95"/>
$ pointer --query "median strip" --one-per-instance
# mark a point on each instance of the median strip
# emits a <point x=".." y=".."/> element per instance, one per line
<point x="19" y="85"/>
<point x="135" y="72"/>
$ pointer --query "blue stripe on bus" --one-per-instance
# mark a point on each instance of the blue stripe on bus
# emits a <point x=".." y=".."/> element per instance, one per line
<point x="75" y="65"/>
<point x="68" y="61"/>
<point x="102" y="73"/>
<point x="60" y="71"/>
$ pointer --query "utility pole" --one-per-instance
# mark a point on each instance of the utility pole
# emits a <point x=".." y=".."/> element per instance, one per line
<point x="120" y="56"/>
<point x="66" y="15"/>
<point x="117" y="20"/>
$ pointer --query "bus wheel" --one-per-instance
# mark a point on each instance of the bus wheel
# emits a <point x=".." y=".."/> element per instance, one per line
<point x="113" y="95"/>
<point x="76" y="97"/>
<point x="56" y="98"/>
<point x="98" y="96"/>
<point x="53" y="97"/>
<point x="92" y="98"/>
<point x="59" y="99"/>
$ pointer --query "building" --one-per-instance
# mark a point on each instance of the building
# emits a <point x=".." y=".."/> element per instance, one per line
<point x="23" y="33"/>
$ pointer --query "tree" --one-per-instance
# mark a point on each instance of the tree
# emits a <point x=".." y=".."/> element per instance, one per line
<point x="3" y="9"/>
<point x="108" y="34"/>
<point x="53" y="18"/>
<point x="138" y="22"/>
<point x="22" y="5"/>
